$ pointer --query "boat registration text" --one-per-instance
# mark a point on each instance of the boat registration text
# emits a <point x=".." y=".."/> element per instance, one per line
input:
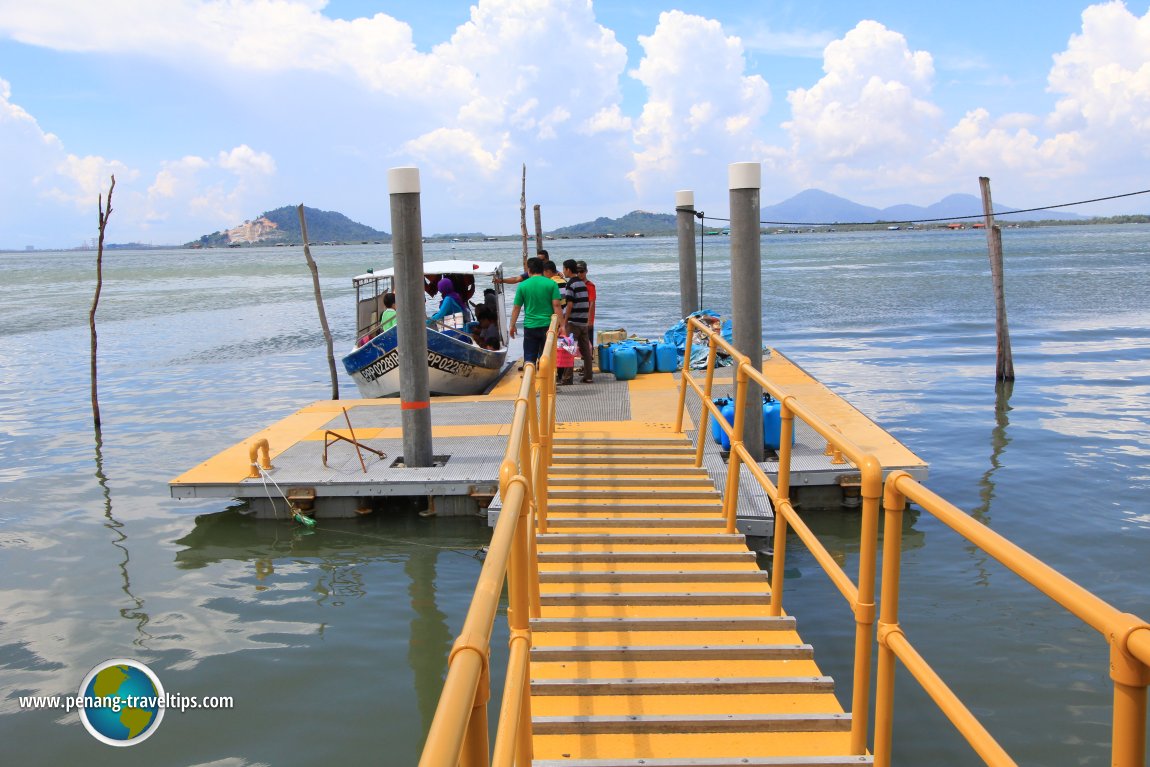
<point x="390" y="362"/>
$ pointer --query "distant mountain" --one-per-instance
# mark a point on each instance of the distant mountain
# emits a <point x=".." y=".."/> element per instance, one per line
<point x="637" y="222"/>
<point x="814" y="206"/>
<point x="281" y="226"/>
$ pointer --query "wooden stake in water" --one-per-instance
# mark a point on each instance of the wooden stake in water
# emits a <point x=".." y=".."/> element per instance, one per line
<point x="103" y="222"/>
<point x="523" y="214"/>
<point x="1004" y="368"/>
<point x="538" y="230"/>
<point x="319" y="304"/>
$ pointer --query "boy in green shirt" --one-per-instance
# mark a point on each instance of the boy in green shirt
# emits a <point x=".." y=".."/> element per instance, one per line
<point x="538" y="297"/>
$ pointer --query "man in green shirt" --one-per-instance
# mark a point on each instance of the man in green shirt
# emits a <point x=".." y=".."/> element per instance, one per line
<point x="538" y="297"/>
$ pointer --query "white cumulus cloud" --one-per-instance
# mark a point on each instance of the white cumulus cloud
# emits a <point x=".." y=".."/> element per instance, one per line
<point x="702" y="108"/>
<point x="869" y="113"/>
<point x="1098" y="134"/>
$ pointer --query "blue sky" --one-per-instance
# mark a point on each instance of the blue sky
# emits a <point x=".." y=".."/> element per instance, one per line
<point x="210" y="112"/>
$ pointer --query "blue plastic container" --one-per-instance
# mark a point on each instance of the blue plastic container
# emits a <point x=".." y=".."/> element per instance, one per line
<point x="624" y="363"/>
<point x="666" y="358"/>
<point x="605" y="353"/>
<point x="772" y="424"/>
<point x="646" y="357"/>
<point x="728" y="412"/>
<point x="716" y="430"/>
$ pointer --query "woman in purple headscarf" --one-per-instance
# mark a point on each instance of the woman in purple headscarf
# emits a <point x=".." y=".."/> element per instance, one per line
<point x="452" y="302"/>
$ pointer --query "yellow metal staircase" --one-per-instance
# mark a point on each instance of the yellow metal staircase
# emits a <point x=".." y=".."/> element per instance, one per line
<point x="642" y="632"/>
<point x="654" y="644"/>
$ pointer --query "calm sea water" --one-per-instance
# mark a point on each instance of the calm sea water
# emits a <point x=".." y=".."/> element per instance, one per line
<point x="333" y="643"/>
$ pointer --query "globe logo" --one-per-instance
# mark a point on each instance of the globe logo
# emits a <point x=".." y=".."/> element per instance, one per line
<point x="122" y="702"/>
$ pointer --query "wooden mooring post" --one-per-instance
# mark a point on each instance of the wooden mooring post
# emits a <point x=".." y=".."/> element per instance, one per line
<point x="538" y="229"/>
<point x="1004" y="367"/>
<point x="311" y="265"/>
<point x="523" y="213"/>
<point x="104" y="212"/>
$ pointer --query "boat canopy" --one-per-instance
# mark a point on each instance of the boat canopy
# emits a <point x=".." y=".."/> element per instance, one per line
<point x="453" y="266"/>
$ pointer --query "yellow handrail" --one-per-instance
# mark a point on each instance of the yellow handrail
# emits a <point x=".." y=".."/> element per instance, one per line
<point x="860" y="597"/>
<point x="458" y="732"/>
<point x="1128" y="635"/>
<point x="458" y="735"/>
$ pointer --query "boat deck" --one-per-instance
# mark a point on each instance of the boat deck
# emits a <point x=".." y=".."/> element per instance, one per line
<point x="470" y="433"/>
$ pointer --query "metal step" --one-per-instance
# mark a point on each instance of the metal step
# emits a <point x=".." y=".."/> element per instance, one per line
<point x="617" y="449"/>
<point x="632" y="508"/>
<point x="654" y="576"/>
<point x="782" y="685"/>
<point x="606" y="557"/>
<point x="601" y="441"/>
<point x="644" y="523"/>
<point x="665" y="494"/>
<point x="627" y="725"/>
<point x="656" y="598"/>
<point x="672" y="652"/>
<point x="637" y="539"/>
<point x="630" y="471"/>
<point x="733" y="623"/>
<point x="653" y="482"/>
<point x="642" y="460"/>
<point x="715" y="761"/>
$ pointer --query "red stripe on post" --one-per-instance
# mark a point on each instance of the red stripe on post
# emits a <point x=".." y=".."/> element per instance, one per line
<point x="414" y="405"/>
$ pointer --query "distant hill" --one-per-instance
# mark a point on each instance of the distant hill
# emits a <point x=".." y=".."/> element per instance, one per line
<point x="814" y="206"/>
<point x="281" y="226"/>
<point x="637" y="222"/>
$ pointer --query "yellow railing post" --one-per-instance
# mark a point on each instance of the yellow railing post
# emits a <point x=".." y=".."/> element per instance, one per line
<point x="786" y="434"/>
<point x="778" y="558"/>
<point x="512" y="714"/>
<point x="864" y="607"/>
<point x="894" y="504"/>
<point x="704" y="411"/>
<point x="476" y="746"/>
<point x="533" y="567"/>
<point x="525" y="752"/>
<point x="1131" y="677"/>
<point x="683" y="381"/>
<point x="783" y="484"/>
<point x="731" y="496"/>
<point x="508" y="741"/>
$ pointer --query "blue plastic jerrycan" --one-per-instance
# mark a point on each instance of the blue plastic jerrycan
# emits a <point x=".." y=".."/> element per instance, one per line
<point x="624" y="363"/>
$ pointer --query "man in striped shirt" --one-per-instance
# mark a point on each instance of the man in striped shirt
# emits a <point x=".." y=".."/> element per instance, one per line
<point x="577" y="313"/>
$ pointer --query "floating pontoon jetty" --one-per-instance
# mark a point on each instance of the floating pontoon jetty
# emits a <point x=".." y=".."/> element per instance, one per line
<point x="316" y="465"/>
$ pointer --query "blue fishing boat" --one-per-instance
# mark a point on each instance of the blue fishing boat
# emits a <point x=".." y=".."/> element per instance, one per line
<point x="456" y="364"/>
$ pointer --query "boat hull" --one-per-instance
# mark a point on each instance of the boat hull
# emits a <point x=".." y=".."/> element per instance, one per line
<point x="454" y="366"/>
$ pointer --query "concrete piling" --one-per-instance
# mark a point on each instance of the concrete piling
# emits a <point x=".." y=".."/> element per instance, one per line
<point x="745" y="183"/>
<point x="685" y="229"/>
<point x="407" y="251"/>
